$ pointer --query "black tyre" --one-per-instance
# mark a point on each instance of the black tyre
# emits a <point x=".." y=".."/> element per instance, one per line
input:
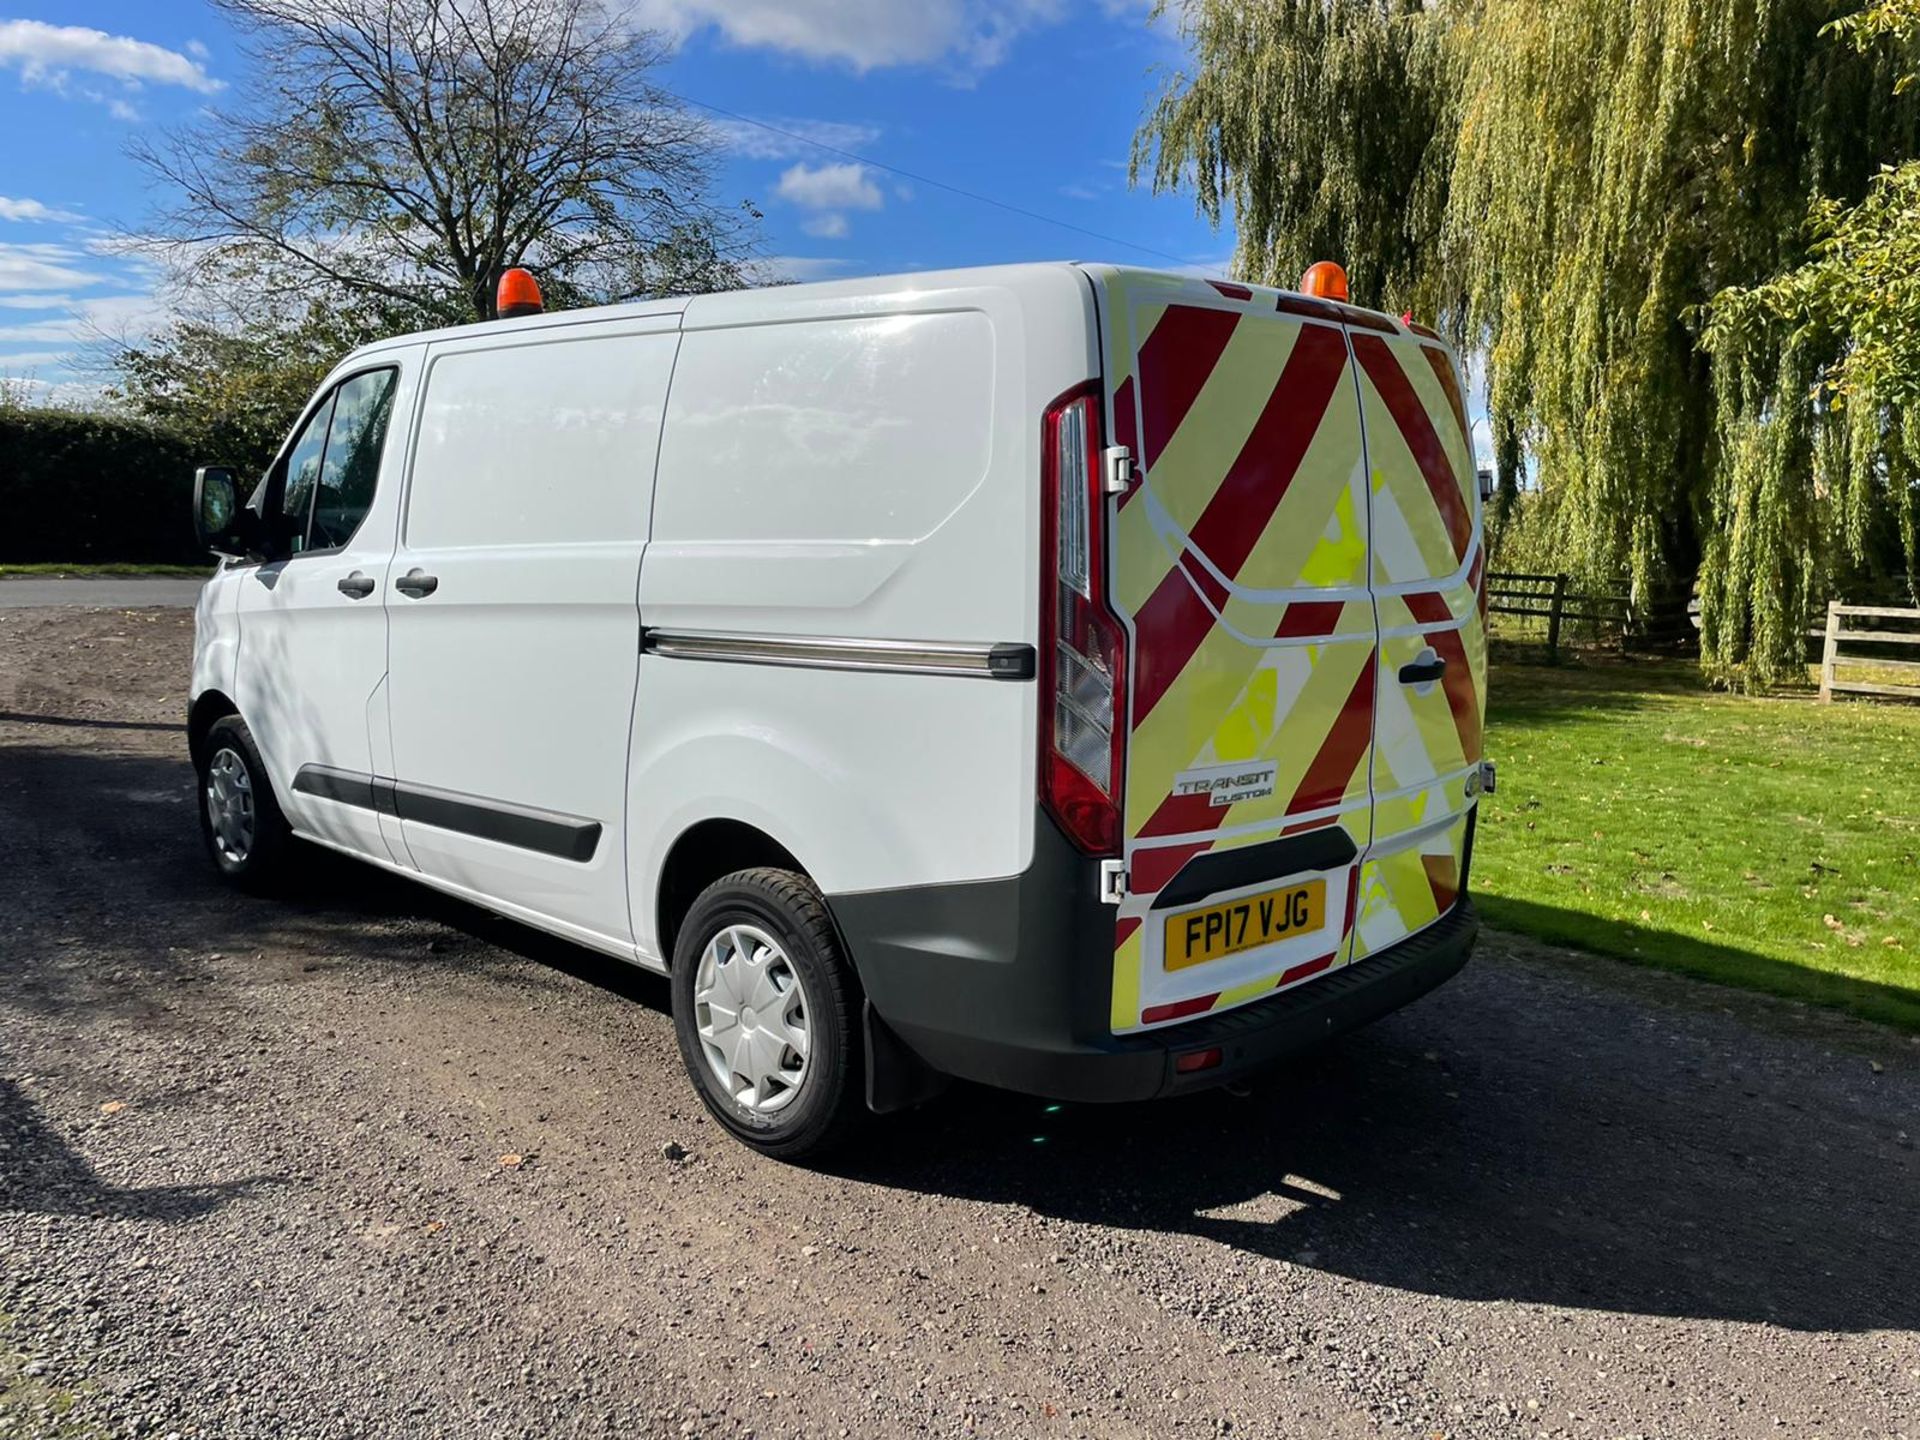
<point x="766" y="1008"/>
<point x="240" y="820"/>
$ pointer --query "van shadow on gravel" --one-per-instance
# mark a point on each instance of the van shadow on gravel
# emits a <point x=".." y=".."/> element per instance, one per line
<point x="1571" y="1147"/>
<point x="44" y="1175"/>
<point x="1520" y="1175"/>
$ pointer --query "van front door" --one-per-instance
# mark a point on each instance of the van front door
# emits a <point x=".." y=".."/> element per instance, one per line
<point x="514" y="614"/>
<point x="313" y="631"/>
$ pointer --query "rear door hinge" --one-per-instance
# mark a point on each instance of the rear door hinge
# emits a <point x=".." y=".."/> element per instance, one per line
<point x="1119" y="469"/>
<point x="1113" y="882"/>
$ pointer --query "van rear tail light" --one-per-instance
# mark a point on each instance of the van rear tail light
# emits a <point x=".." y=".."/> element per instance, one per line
<point x="1083" y="647"/>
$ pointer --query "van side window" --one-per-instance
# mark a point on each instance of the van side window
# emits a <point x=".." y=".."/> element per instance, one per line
<point x="361" y="410"/>
<point x="303" y="476"/>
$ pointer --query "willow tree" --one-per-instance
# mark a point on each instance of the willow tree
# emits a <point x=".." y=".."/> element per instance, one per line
<point x="1818" y="374"/>
<point x="1567" y="186"/>
<point x="1324" y="126"/>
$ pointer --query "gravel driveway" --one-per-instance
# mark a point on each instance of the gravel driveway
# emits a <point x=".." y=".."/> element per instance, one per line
<point x="373" y="1163"/>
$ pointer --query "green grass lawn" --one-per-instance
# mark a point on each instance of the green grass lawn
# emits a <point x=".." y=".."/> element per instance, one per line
<point x="116" y="568"/>
<point x="1769" y="843"/>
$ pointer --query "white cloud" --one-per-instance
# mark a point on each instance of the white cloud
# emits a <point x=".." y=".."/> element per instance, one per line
<point x="31" y="301"/>
<point x="1079" y="192"/>
<point x="866" y="34"/>
<point x="118" y="317"/>
<point x="14" y="365"/>
<point x="40" y="330"/>
<point x="32" y="211"/>
<point x="48" y="54"/>
<point x="754" y="142"/>
<point x="41" y="267"/>
<point x="829" y="226"/>
<point x="830" y="187"/>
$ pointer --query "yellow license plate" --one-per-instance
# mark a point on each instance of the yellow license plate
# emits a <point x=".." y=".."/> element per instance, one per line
<point x="1220" y="930"/>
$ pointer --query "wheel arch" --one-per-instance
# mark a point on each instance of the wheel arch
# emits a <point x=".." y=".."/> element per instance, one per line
<point x="208" y="709"/>
<point x="703" y="853"/>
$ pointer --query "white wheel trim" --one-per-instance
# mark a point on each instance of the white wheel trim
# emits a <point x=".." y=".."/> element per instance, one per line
<point x="229" y="801"/>
<point x="751" y="1014"/>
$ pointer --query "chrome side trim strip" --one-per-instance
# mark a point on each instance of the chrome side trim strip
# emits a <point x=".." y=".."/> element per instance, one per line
<point x="900" y="657"/>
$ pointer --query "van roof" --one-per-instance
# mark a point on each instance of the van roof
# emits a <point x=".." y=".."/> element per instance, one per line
<point x="787" y="297"/>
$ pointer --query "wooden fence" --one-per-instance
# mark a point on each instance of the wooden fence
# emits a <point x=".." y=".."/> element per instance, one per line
<point x="1595" y="617"/>
<point x="1885" y="644"/>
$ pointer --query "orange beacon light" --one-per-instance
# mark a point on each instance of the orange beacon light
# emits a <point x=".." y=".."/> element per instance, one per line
<point x="518" y="294"/>
<point x="1325" y="280"/>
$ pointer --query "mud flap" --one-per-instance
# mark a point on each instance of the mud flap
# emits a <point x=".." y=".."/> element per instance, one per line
<point x="897" y="1079"/>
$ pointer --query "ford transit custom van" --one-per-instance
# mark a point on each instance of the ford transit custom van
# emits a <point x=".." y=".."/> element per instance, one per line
<point x="1063" y="677"/>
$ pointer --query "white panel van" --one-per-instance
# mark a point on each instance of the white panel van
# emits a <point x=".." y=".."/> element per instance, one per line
<point x="1063" y="677"/>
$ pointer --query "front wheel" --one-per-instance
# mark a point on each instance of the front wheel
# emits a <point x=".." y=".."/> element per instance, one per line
<point x="240" y="820"/>
<point x="765" y="1008"/>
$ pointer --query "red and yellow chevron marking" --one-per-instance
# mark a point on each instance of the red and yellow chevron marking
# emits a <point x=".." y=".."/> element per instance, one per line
<point x="1428" y="572"/>
<point x="1279" y="565"/>
<point x="1425" y="496"/>
<point x="1240" y="560"/>
<point x="1405" y="890"/>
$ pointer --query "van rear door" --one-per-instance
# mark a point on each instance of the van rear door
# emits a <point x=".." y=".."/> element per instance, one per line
<point x="1239" y="564"/>
<point x="1428" y="570"/>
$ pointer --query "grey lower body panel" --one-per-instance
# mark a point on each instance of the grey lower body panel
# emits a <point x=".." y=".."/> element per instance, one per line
<point x="1008" y="982"/>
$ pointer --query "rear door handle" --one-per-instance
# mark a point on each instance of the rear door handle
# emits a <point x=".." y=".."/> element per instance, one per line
<point x="356" y="586"/>
<point x="1424" y="671"/>
<point x="416" y="584"/>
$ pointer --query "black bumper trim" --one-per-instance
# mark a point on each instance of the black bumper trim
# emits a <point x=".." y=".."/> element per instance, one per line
<point x="1251" y="1037"/>
<point x="1009" y="983"/>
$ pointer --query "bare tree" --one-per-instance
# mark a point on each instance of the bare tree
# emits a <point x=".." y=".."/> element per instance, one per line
<point x="407" y="151"/>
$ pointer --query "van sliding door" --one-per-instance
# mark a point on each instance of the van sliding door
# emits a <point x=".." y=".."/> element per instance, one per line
<point x="514" y="615"/>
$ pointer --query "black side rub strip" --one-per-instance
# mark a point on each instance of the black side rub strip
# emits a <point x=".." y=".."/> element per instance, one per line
<point x="527" y="827"/>
<point x="344" y="786"/>
<point x="1204" y="875"/>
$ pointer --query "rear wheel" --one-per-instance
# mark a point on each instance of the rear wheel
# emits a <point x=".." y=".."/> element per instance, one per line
<point x="240" y="820"/>
<point x="765" y="1009"/>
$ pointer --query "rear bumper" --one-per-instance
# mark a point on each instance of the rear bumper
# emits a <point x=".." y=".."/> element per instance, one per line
<point x="1007" y="983"/>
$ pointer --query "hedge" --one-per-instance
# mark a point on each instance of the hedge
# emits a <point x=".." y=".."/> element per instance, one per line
<point x="92" y="489"/>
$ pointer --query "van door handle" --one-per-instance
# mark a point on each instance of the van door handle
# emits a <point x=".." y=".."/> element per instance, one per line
<point x="416" y="584"/>
<point x="356" y="586"/>
<point x="1424" y="671"/>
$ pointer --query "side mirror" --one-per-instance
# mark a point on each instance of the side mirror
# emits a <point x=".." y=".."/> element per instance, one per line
<point x="218" y="520"/>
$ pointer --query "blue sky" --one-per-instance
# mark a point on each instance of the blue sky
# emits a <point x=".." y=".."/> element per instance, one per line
<point x="1032" y="102"/>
